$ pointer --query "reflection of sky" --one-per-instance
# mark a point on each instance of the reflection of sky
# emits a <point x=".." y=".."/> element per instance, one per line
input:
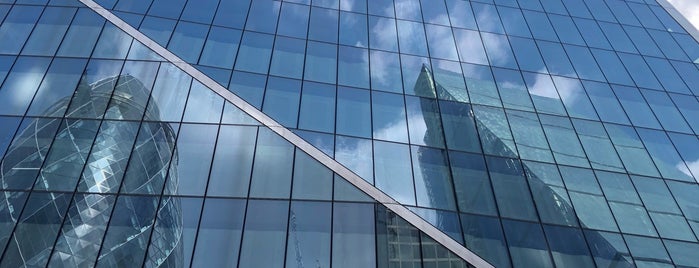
<point x="688" y="8"/>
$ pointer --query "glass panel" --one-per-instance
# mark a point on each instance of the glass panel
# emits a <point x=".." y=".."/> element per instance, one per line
<point x="282" y="100"/>
<point x="321" y="62"/>
<point x="481" y="86"/>
<point x="82" y="34"/>
<point x="312" y="180"/>
<point x="24" y="157"/>
<point x="568" y="247"/>
<point x="323" y="25"/>
<point x="382" y="33"/>
<point x="89" y="212"/>
<point x="543" y="93"/>
<point x="598" y="147"/>
<point x="511" y="189"/>
<point x="473" y="191"/>
<point x="353" y="235"/>
<point x="188" y="40"/>
<point x="564" y="141"/>
<point x="150" y="159"/>
<point x="433" y="184"/>
<point x="495" y="133"/>
<point x="393" y="175"/>
<point x="529" y="137"/>
<point x="470" y="45"/>
<point x="459" y="126"/>
<point x="574" y="98"/>
<point x="60" y="83"/>
<point x="424" y="124"/>
<point x="220" y="230"/>
<point x="265" y="231"/>
<point x="385" y="71"/>
<point x="353" y="67"/>
<point x="664" y="155"/>
<point x="17" y="26"/>
<point x="49" y="31"/>
<point x="232" y="13"/>
<point x="388" y="117"/>
<point x="308" y="241"/>
<point x="317" y="97"/>
<point x="411" y="37"/>
<point x="512" y="89"/>
<point x="203" y="105"/>
<point x="36" y="230"/>
<point x="527" y="244"/>
<point x="631" y="150"/>
<point x="221" y="47"/>
<point x="271" y="175"/>
<point x="166" y="250"/>
<point x="255" y="51"/>
<point x="484" y="236"/>
<point x="263" y="16"/>
<point x="608" y="249"/>
<point x="66" y="157"/>
<point x="22" y="83"/>
<point x="441" y="42"/>
<point x="129" y="230"/>
<point x="550" y="196"/>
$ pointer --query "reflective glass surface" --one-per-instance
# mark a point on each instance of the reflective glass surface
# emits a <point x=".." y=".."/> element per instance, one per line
<point x="544" y="133"/>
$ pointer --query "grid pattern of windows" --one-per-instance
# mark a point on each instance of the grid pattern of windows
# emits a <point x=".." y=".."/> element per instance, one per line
<point x="538" y="133"/>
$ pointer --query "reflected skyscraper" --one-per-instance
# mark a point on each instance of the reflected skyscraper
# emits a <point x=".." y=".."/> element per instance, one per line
<point x="84" y="141"/>
<point x="348" y="133"/>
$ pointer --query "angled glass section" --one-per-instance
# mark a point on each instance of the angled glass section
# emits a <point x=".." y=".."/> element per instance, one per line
<point x="536" y="133"/>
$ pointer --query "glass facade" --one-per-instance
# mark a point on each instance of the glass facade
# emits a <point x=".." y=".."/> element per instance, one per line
<point x="533" y="133"/>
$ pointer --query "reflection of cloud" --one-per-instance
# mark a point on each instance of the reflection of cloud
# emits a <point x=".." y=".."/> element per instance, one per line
<point x="693" y="167"/>
<point x="442" y="41"/>
<point x="356" y="154"/>
<point x="407" y="8"/>
<point x="568" y="89"/>
<point x="543" y="87"/>
<point x="379" y="67"/>
<point x="689" y="9"/>
<point x="29" y="83"/>
<point x="497" y="46"/>
<point x="487" y="19"/>
<point x="447" y="66"/>
<point x="347" y="5"/>
<point x="471" y="46"/>
<point x="385" y="32"/>
<point x="392" y="131"/>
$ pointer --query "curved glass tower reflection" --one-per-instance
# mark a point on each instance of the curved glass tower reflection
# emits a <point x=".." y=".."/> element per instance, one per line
<point x="99" y="146"/>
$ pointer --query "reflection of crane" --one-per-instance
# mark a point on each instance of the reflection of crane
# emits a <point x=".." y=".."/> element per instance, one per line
<point x="297" y="248"/>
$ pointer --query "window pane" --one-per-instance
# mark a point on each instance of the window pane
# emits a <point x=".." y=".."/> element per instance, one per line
<point x="353" y="235"/>
<point x="392" y="171"/>
<point x="309" y="234"/>
<point x="271" y="175"/>
<point x="220" y="230"/>
<point x="527" y="244"/>
<point x="511" y="189"/>
<point x="265" y="234"/>
<point x="433" y="183"/>
<point x="321" y="62"/>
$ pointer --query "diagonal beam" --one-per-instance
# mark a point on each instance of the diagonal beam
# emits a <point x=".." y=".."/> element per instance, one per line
<point x="288" y="135"/>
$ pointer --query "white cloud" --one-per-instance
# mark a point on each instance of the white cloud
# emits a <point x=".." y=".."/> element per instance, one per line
<point x="688" y="8"/>
<point x="689" y="168"/>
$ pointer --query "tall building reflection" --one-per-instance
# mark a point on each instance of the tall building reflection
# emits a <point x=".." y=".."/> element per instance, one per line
<point x="549" y="199"/>
<point x="111" y="165"/>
